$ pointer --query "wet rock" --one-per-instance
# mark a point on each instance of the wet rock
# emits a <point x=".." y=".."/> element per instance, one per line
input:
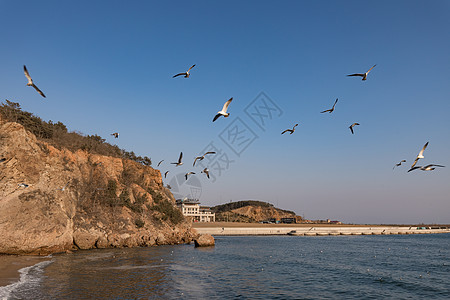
<point x="204" y="240"/>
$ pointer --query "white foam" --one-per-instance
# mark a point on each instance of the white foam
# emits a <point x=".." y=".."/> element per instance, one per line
<point x="25" y="278"/>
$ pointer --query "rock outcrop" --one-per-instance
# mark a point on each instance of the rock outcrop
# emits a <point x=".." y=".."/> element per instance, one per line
<point x="54" y="200"/>
<point x="204" y="240"/>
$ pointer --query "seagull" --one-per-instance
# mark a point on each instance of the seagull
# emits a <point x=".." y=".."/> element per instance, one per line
<point x="363" y="75"/>
<point x="165" y="174"/>
<point x="223" y="112"/>
<point x="187" y="174"/>
<point x="115" y="134"/>
<point x="186" y="74"/>
<point x="353" y="125"/>
<point x="206" y="171"/>
<point x="30" y="81"/>
<point x="2" y="160"/>
<point x="420" y="155"/>
<point x="179" y="163"/>
<point x="291" y="131"/>
<point x="399" y="164"/>
<point x="426" y="168"/>
<point x="202" y="157"/>
<point x="160" y="162"/>
<point x="24" y="185"/>
<point x="64" y="187"/>
<point x="331" y="109"/>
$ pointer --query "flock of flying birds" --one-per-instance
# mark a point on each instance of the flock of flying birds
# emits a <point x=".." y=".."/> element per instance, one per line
<point x="225" y="114"/>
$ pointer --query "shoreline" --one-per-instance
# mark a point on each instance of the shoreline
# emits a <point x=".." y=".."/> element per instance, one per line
<point x="223" y="228"/>
<point x="10" y="266"/>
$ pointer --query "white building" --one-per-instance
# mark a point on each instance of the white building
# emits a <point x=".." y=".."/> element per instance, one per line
<point x="192" y="208"/>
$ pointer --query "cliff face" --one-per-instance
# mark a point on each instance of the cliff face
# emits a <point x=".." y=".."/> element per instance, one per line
<point x="77" y="200"/>
<point x="250" y="211"/>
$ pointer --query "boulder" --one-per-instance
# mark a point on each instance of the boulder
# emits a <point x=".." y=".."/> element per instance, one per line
<point x="204" y="240"/>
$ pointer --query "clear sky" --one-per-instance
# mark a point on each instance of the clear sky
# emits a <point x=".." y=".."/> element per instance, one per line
<point x="107" y="66"/>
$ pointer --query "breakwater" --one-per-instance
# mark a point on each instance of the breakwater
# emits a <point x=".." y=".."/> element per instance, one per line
<point x="319" y="230"/>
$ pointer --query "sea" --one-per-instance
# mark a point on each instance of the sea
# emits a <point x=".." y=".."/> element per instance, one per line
<point x="249" y="267"/>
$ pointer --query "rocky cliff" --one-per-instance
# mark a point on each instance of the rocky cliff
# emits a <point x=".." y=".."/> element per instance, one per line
<point x="53" y="199"/>
<point x="250" y="211"/>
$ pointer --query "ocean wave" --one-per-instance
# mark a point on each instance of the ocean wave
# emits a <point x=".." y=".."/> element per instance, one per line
<point x="29" y="276"/>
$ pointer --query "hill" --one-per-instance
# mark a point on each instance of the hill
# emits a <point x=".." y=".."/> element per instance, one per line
<point x="60" y="191"/>
<point x="250" y="211"/>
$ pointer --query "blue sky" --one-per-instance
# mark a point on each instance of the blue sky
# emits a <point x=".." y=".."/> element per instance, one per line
<point x="109" y="67"/>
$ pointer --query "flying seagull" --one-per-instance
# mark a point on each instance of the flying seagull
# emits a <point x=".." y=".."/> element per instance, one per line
<point x="399" y="164"/>
<point x="291" y="131"/>
<point x="187" y="174"/>
<point x="186" y="74"/>
<point x="64" y="187"/>
<point x="223" y="112"/>
<point x="206" y="171"/>
<point x="331" y="109"/>
<point x="363" y="75"/>
<point x="30" y="81"/>
<point x="426" y="168"/>
<point x="160" y="162"/>
<point x="115" y="134"/>
<point x="351" y="127"/>
<point x="24" y="185"/>
<point x="420" y="155"/>
<point x="165" y="174"/>
<point x="202" y="157"/>
<point x="179" y="163"/>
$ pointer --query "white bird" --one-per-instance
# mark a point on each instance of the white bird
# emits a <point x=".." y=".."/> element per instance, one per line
<point x="363" y="75"/>
<point x="353" y="125"/>
<point x="179" y="163"/>
<point x="24" y="185"/>
<point x="160" y="162"/>
<point x="30" y="81"/>
<point x="291" y="131"/>
<point x="399" y="164"/>
<point x="420" y="155"/>
<point x="331" y="109"/>
<point x="426" y="168"/>
<point x="115" y="134"/>
<point x="223" y="112"/>
<point x="186" y="74"/>
<point x="165" y="174"/>
<point x="202" y="157"/>
<point x="64" y="187"/>
<point x="187" y="174"/>
<point x="206" y="171"/>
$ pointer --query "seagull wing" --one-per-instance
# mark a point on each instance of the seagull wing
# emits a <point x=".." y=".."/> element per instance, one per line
<point x="423" y="149"/>
<point x="357" y="74"/>
<point x="160" y="162"/>
<point x="209" y="152"/>
<point x="295" y="126"/>
<point x="179" y="74"/>
<point x="414" y="168"/>
<point x="27" y="75"/>
<point x="370" y="69"/>
<point x="351" y="128"/>
<point x="198" y="157"/>
<point x="191" y="68"/>
<point x="225" y="106"/>
<point x="38" y="90"/>
<point x="414" y="163"/>
<point x="325" y="111"/>
<point x="181" y="156"/>
<point x="285" y="131"/>
<point x="165" y="174"/>
<point x="216" y="117"/>
<point x="431" y="165"/>
<point x="335" y="103"/>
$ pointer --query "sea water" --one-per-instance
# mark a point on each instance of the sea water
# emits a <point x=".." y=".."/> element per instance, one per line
<point x="250" y="267"/>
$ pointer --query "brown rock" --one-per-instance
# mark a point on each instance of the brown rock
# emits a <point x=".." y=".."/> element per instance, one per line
<point x="204" y="240"/>
<point x="84" y="240"/>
